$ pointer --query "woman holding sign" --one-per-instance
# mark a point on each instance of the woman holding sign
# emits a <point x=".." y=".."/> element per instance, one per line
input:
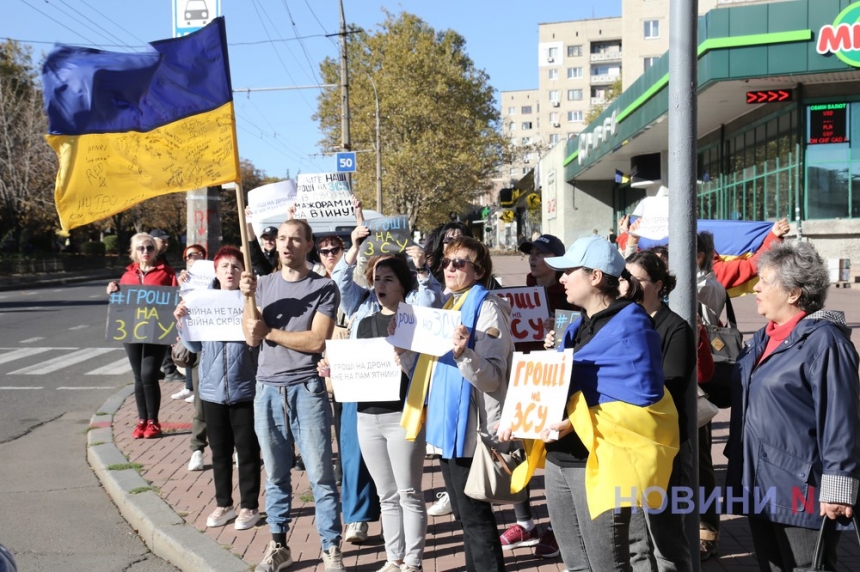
<point x="227" y="385"/>
<point x="145" y="359"/>
<point x="464" y="391"/>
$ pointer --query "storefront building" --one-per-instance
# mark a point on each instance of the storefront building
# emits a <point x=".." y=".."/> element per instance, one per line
<point x="778" y="130"/>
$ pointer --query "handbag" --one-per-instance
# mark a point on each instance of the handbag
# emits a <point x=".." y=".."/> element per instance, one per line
<point x="726" y="345"/>
<point x="818" y="553"/>
<point x="183" y="357"/>
<point x="705" y="410"/>
<point x="490" y="475"/>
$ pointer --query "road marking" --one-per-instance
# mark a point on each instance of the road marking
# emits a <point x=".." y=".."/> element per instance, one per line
<point x="97" y="296"/>
<point x="86" y="387"/>
<point x="21" y="353"/>
<point x="31" y="340"/>
<point x="118" y="367"/>
<point x="19" y="387"/>
<point x="81" y="327"/>
<point x="62" y="361"/>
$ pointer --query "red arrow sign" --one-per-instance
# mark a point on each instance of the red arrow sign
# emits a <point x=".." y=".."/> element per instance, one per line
<point x="784" y="95"/>
<point x="751" y="97"/>
<point x="769" y="95"/>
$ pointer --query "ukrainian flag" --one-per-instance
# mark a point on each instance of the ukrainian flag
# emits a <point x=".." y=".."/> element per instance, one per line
<point x="127" y="127"/>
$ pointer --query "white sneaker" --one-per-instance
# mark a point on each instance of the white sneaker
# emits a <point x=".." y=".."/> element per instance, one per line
<point x="196" y="462"/>
<point x="248" y="518"/>
<point x="275" y="559"/>
<point x="333" y="559"/>
<point x="190" y="399"/>
<point x="390" y="567"/>
<point x="441" y="507"/>
<point x="182" y="394"/>
<point x="220" y="516"/>
<point x="356" y="532"/>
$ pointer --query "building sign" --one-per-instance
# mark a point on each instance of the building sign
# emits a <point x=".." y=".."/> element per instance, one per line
<point x="828" y="123"/>
<point x="769" y="95"/>
<point x="842" y="38"/>
<point x="598" y="136"/>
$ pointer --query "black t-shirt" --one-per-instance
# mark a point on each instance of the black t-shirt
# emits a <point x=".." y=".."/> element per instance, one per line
<point x="569" y="451"/>
<point x="366" y="330"/>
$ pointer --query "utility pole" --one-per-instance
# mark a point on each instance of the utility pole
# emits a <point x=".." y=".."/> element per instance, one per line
<point x="344" y="92"/>
<point x="378" y="150"/>
<point x="683" y="89"/>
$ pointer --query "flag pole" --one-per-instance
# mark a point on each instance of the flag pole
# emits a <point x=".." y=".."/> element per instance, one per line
<point x="250" y="301"/>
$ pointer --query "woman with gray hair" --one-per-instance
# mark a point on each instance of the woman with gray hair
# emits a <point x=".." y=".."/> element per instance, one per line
<point x="795" y="431"/>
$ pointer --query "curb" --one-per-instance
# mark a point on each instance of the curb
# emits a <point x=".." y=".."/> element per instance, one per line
<point x="57" y="279"/>
<point x="160" y="528"/>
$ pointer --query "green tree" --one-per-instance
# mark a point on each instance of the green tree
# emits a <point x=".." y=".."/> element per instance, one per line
<point x="611" y="95"/>
<point x="441" y="141"/>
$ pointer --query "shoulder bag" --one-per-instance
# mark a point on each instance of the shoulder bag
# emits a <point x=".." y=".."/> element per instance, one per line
<point x="489" y="477"/>
<point x="818" y="553"/>
<point x="726" y="345"/>
<point x="183" y="357"/>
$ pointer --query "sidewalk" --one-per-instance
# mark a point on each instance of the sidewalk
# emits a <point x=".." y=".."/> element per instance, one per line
<point x="191" y="494"/>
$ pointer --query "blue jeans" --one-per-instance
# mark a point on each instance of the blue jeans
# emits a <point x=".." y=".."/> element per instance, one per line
<point x="360" y="499"/>
<point x="305" y="408"/>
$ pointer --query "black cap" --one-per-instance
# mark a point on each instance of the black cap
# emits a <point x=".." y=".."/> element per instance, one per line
<point x="545" y="243"/>
<point x="158" y="233"/>
<point x="270" y="230"/>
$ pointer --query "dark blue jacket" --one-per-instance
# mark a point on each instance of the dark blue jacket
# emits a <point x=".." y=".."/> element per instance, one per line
<point x="795" y="423"/>
<point x="228" y="371"/>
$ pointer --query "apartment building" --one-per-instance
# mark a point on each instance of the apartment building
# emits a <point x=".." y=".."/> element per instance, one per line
<point x="521" y="119"/>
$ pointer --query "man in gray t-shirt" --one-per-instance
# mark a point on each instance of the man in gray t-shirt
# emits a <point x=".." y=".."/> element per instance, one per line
<point x="296" y="312"/>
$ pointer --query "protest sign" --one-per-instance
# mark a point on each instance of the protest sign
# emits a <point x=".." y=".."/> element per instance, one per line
<point x="563" y="318"/>
<point x="529" y="311"/>
<point x="270" y="202"/>
<point x="424" y="330"/>
<point x="323" y="195"/>
<point x="363" y="370"/>
<point x="537" y="392"/>
<point x="142" y="315"/>
<point x="199" y="276"/>
<point x="654" y="222"/>
<point x="213" y="316"/>
<point x="388" y="235"/>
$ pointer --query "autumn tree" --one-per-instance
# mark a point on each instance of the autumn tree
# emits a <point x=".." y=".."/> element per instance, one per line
<point x="441" y="141"/>
<point x="612" y="94"/>
<point x="27" y="163"/>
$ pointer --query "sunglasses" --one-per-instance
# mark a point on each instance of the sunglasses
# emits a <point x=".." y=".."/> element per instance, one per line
<point x="457" y="263"/>
<point x="145" y="248"/>
<point x="330" y="251"/>
<point x="191" y="255"/>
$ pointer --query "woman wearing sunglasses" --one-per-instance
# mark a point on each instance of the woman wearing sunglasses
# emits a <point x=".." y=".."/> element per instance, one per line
<point x="464" y="391"/>
<point x="145" y="359"/>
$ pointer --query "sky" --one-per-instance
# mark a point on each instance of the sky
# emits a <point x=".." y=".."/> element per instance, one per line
<point x="280" y="43"/>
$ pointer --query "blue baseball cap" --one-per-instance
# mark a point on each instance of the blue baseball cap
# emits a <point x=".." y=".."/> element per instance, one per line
<point x="591" y="252"/>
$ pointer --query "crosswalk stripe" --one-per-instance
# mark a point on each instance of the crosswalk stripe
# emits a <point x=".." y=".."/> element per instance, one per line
<point x="20" y="387"/>
<point x="55" y="364"/>
<point x="81" y="327"/>
<point x="118" y="367"/>
<point x="68" y="388"/>
<point x="21" y="353"/>
<point x="31" y="340"/>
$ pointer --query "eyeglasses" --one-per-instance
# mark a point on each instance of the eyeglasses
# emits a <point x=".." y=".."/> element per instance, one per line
<point x="333" y="251"/>
<point x="191" y="255"/>
<point x="145" y="248"/>
<point x="458" y="263"/>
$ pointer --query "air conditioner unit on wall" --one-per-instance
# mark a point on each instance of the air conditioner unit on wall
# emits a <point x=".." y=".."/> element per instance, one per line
<point x="556" y="103"/>
<point x="556" y="124"/>
<point x="550" y="59"/>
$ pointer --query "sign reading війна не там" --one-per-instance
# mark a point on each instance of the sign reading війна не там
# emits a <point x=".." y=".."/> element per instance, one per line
<point x="142" y="315"/>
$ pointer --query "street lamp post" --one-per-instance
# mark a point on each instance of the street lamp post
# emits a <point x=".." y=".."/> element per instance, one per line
<point x="378" y="150"/>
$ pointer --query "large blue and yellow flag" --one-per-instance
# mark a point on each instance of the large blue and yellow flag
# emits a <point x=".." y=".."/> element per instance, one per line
<point x="127" y="127"/>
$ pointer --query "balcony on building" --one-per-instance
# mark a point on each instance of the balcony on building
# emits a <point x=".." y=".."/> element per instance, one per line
<point x="606" y="56"/>
<point x="604" y="78"/>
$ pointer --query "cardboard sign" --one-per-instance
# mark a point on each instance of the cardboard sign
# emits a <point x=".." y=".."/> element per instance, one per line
<point x="529" y="312"/>
<point x="200" y="276"/>
<point x="270" y="202"/>
<point x="537" y="392"/>
<point x="323" y="195"/>
<point x="363" y="370"/>
<point x="213" y="316"/>
<point x="563" y="318"/>
<point x="388" y="235"/>
<point x="142" y="315"/>
<point x="424" y="330"/>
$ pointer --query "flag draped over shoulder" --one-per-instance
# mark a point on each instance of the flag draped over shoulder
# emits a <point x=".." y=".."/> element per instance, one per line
<point x="127" y="127"/>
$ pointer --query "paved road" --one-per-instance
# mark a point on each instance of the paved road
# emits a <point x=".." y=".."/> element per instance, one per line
<point x="56" y="369"/>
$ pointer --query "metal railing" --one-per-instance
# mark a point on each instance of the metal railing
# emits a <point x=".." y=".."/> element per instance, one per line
<point x="606" y="56"/>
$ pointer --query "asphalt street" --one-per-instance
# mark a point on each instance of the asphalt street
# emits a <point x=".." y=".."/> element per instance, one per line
<point x="56" y="369"/>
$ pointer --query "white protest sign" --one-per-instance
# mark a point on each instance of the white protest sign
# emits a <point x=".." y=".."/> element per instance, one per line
<point x="198" y="277"/>
<point x="529" y="311"/>
<point x="270" y="202"/>
<point x="323" y="195"/>
<point x="363" y="370"/>
<point x="655" y="218"/>
<point x="537" y="392"/>
<point x="424" y="330"/>
<point x="213" y="316"/>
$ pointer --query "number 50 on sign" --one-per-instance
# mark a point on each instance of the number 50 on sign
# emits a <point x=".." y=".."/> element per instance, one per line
<point x="537" y="392"/>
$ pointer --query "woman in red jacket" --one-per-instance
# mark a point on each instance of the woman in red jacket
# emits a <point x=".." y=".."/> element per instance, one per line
<point x="145" y="359"/>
